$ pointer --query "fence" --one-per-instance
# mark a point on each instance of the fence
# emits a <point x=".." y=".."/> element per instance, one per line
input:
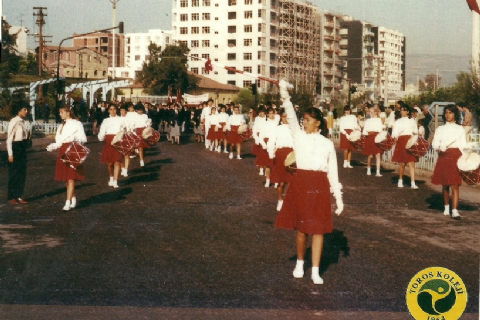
<point x="44" y="129"/>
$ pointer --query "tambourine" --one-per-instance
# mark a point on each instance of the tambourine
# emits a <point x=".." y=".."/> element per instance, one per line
<point x="417" y="146"/>
<point x="355" y="135"/>
<point x="127" y="143"/>
<point x="242" y="128"/>
<point x="469" y="166"/>
<point x="75" y="155"/>
<point x="291" y="163"/>
<point x="247" y="134"/>
<point x="384" y="141"/>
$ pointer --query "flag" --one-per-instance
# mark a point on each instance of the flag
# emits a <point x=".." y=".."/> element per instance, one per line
<point x="169" y="100"/>
<point x="179" y="96"/>
<point x="474" y="5"/>
<point x="208" y="66"/>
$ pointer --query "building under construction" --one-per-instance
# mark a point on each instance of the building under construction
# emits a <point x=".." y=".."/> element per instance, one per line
<point x="300" y="44"/>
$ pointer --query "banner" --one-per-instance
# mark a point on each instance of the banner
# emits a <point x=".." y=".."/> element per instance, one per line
<point x="191" y="99"/>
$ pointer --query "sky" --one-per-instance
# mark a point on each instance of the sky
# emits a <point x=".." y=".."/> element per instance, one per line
<point x="430" y="26"/>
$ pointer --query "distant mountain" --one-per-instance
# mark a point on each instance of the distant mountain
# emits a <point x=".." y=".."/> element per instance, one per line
<point x="448" y="67"/>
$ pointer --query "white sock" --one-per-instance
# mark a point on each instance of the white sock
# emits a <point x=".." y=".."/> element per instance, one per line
<point x="447" y="209"/>
<point x="73" y="202"/>
<point x="261" y="171"/>
<point x="299" y="264"/>
<point x="111" y="179"/>
<point x="345" y="161"/>
<point x="454" y="212"/>
<point x="316" y="271"/>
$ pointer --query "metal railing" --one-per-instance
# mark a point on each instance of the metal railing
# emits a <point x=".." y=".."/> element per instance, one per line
<point x="44" y="129"/>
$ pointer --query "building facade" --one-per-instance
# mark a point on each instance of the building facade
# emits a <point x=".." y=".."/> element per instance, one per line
<point x="21" y="34"/>
<point x="136" y="50"/>
<point x="103" y="44"/>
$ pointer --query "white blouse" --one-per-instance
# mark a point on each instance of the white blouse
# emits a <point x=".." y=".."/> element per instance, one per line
<point x="404" y="127"/>
<point x="111" y="125"/>
<point x="258" y="125"/>
<point x="267" y="131"/>
<point x="348" y="122"/>
<point x="212" y="120"/>
<point x="235" y="120"/>
<point x="205" y="113"/>
<point x="450" y="135"/>
<point x="281" y="138"/>
<point x="223" y="117"/>
<point x="71" y="130"/>
<point x="312" y="150"/>
<point x="17" y="131"/>
<point x="373" y="125"/>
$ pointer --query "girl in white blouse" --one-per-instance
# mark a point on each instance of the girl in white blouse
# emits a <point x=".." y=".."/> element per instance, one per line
<point x="109" y="128"/>
<point x="450" y="141"/>
<point x="263" y="160"/>
<point x="17" y="142"/>
<point x="348" y="123"/>
<point x="258" y="125"/>
<point x="212" y="123"/>
<point x="233" y="124"/>
<point x="307" y="205"/>
<point x="373" y="126"/>
<point x="403" y="129"/>
<point x="69" y="131"/>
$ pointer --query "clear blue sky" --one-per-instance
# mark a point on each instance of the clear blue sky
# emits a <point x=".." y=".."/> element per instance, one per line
<point x="431" y="26"/>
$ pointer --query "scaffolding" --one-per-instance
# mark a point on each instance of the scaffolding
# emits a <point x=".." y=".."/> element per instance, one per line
<point x="300" y="46"/>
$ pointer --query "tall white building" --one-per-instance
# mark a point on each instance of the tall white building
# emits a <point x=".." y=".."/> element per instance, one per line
<point x="136" y="50"/>
<point x="21" y="34"/>
<point x="237" y="33"/>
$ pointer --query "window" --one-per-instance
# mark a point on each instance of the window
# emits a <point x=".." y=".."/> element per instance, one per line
<point x="184" y="17"/>
<point x="262" y="41"/>
<point x="262" y="55"/>
<point x="206" y="56"/>
<point x="195" y="16"/>
<point x="262" y="27"/>
<point x="89" y="58"/>
<point x="128" y="40"/>
<point x="247" y="69"/>
<point x="183" y="42"/>
<point x="247" y="83"/>
<point x="195" y="30"/>
<point x="247" y="28"/>
<point x="247" y="56"/>
<point x="232" y="82"/>
<point x="183" y="3"/>
<point x="261" y="69"/>
<point x="231" y="72"/>
<point x="205" y="16"/>
<point x="195" y="3"/>
<point x="137" y="57"/>
<point x="232" y="15"/>
<point x="248" y="1"/>
<point x="194" y="55"/>
<point x="206" y="3"/>
<point x="248" y="14"/>
<point x="247" y="42"/>
<point x="216" y="46"/>
<point x="183" y="30"/>
<point x="194" y="44"/>
<point x="205" y="29"/>
<point x="204" y="71"/>
<point x="232" y="56"/>
<point x="128" y="49"/>
<point x="232" y="43"/>
<point x="95" y="72"/>
<point x="167" y="40"/>
<point x="205" y="43"/>
<point x="194" y="70"/>
<point x="232" y="2"/>
<point x="232" y="29"/>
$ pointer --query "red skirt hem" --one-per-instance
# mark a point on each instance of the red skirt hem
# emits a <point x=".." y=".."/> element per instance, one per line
<point x="233" y="136"/>
<point x="279" y="173"/>
<point x="109" y="153"/>
<point x="263" y="160"/>
<point x="371" y="147"/>
<point x="143" y="144"/>
<point x="400" y="154"/>
<point x="346" y="144"/>
<point x="446" y="171"/>
<point x="63" y="171"/>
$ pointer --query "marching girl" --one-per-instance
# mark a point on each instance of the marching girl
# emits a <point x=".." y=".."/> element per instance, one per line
<point x="70" y="130"/>
<point x="279" y="146"/>
<point x="212" y="124"/>
<point x="263" y="160"/>
<point x="307" y="206"/>
<point x="222" y="122"/>
<point x="109" y="128"/>
<point x="348" y="123"/>
<point x="126" y="158"/>
<point x="259" y="123"/>
<point x="373" y="126"/>
<point x="449" y="140"/>
<point x="403" y="129"/>
<point x="234" y="122"/>
<point x="197" y="128"/>
<point x="17" y="142"/>
<point x="141" y="121"/>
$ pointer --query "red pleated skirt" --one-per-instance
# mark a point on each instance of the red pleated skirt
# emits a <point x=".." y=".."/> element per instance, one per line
<point x="400" y="154"/>
<point x="307" y="205"/>
<point x="279" y="173"/>
<point x="233" y="136"/>
<point x="220" y="133"/>
<point x="63" y="171"/>
<point x="346" y="144"/>
<point x="370" y="145"/>
<point x="446" y="171"/>
<point x="212" y="135"/>
<point x="109" y="153"/>
<point x="263" y="160"/>
<point x="143" y="144"/>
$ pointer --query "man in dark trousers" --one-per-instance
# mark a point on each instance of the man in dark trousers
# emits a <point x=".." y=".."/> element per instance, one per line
<point x="428" y="119"/>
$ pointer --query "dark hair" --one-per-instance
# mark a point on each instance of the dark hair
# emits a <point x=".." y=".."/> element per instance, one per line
<point x="139" y="106"/>
<point x="317" y="115"/>
<point x="346" y="108"/>
<point x="268" y="104"/>
<point x="209" y="100"/>
<point x="261" y="109"/>
<point x="280" y="113"/>
<point x="422" y="122"/>
<point x="270" y="109"/>
<point x="452" y="108"/>
<point x="112" y="104"/>
<point x="382" y="108"/>
<point x="124" y="107"/>
<point x="408" y="109"/>
<point x="19" y="105"/>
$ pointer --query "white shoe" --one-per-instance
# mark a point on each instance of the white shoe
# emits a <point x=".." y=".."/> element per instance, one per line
<point x="414" y="186"/>
<point x="239" y="158"/>
<point x="369" y="172"/>
<point x="275" y="185"/>
<point x="261" y="172"/>
<point x="378" y="174"/>
<point x="125" y="173"/>
<point x="349" y="166"/>
<point x="142" y="163"/>
<point x="267" y="183"/>
<point x="73" y="203"/>
<point x="110" y="183"/>
<point x="279" y="205"/>
<point x="115" y="185"/>
<point x="67" y="206"/>
<point x="400" y="184"/>
<point x="317" y="279"/>
<point x="446" y="213"/>
<point x="455" y="214"/>
<point x="225" y="151"/>
<point x="298" y="272"/>
<point x="231" y="155"/>
<point x="345" y="164"/>
<point x="219" y="149"/>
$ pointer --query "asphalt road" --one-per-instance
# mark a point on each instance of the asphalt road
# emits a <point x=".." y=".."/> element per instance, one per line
<point x="191" y="236"/>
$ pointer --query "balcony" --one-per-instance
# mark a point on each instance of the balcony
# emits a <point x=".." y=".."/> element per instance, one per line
<point x="328" y="72"/>
<point x="328" y="24"/>
<point x="328" y="36"/>
<point x="328" y="60"/>
<point x="344" y="32"/>
<point x="343" y="43"/>
<point x="343" y="53"/>
<point x="368" y="44"/>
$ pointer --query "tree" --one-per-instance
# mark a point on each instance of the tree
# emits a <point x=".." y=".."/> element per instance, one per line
<point x="29" y="65"/>
<point x="431" y="81"/>
<point x="167" y="68"/>
<point x="246" y="99"/>
<point x="10" y="60"/>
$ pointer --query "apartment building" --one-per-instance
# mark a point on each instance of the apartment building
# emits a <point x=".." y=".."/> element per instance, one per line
<point x="136" y="50"/>
<point x="103" y="44"/>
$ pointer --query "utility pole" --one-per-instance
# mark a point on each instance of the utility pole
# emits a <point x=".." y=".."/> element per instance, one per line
<point x="41" y="41"/>
<point x="114" y="2"/>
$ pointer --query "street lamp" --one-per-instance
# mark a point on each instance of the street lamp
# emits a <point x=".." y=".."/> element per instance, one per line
<point x="114" y="2"/>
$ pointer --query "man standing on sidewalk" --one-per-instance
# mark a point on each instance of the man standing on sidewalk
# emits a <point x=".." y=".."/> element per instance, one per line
<point x="467" y="121"/>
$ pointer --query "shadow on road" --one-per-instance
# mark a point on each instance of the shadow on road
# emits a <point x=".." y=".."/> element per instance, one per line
<point x="58" y="191"/>
<point x="105" y="197"/>
<point x="436" y="203"/>
<point x="333" y="244"/>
